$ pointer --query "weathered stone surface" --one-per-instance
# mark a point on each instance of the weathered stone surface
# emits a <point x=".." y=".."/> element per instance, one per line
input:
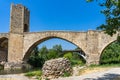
<point x="13" y="66"/>
<point x="56" y="67"/>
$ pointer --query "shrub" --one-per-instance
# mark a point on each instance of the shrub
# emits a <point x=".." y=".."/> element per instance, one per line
<point x="66" y="74"/>
<point x="36" y="61"/>
<point x="68" y="55"/>
<point x="76" y="62"/>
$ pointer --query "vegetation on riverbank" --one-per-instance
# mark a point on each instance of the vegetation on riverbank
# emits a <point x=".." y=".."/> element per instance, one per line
<point x="39" y="56"/>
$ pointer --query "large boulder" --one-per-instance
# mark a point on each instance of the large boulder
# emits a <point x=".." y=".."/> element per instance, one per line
<point x="55" y="68"/>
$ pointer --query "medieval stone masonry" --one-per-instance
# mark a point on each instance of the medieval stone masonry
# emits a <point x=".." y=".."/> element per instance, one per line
<point x="16" y="45"/>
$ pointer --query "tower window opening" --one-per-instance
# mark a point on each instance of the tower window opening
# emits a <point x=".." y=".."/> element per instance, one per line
<point x="25" y="28"/>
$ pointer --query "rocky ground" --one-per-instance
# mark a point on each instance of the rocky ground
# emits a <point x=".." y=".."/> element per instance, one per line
<point x="13" y="77"/>
<point x="109" y="74"/>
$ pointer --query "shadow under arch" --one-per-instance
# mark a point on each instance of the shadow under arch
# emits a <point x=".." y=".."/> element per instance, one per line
<point x="105" y="48"/>
<point x="27" y="54"/>
<point x="3" y="49"/>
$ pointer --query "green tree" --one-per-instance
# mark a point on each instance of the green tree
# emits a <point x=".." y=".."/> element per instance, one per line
<point x="112" y="14"/>
<point x="52" y="54"/>
<point x="55" y="52"/>
<point x="57" y="48"/>
<point x="35" y="59"/>
<point x="111" y="55"/>
<point x="43" y="52"/>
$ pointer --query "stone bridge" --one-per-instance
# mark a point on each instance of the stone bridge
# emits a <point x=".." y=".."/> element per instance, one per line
<point x="4" y="35"/>
<point x="91" y="42"/>
<point x="20" y="42"/>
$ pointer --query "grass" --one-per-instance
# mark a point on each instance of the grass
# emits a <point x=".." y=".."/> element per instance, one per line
<point x="37" y="72"/>
<point x="66" y="74"/>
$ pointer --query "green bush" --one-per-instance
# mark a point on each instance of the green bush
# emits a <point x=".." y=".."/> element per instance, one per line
<point x="68" y="55"/>
<point x="36" y="61"/>
<point x="76" y="62"/>
<point x="66" y="74"/>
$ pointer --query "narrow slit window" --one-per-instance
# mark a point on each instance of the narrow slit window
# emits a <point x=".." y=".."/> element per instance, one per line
<point x="25" y="28"/>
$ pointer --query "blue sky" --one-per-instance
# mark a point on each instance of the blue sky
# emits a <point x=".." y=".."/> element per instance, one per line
<point x="69" y="15"/>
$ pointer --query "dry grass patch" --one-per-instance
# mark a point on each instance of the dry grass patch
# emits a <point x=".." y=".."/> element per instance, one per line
<point x="88" y="70"/>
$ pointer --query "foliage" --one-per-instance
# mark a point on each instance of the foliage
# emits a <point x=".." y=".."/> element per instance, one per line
<point x="74" y="58"/>
<point x="34" y="73"/>
<point x="68" y="55"/>
<point x="77" y="62"/>
<point x="112" y="14"/>
<point x="52" y="54"/>
<point x="66" y="74"/>
<point x="111" y="55"/>
<point x="39" y="56"/>
<point x="43" y="53"/>
<point x="35" y="59"/>
<point x="55" y="52"/>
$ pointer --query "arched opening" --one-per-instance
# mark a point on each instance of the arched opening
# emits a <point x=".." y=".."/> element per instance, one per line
<point x="111" y="54"/>
<point x="26" y="29"/>
<point x="53" y="47"/>
<point x="3" y="49"/>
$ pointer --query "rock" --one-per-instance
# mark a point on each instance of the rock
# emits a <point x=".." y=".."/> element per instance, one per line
<point x="56" y="67"/>
<point x="13" y="65"/>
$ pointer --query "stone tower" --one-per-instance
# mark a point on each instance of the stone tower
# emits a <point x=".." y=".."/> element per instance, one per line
<point x="19" y="23"/>
<point x="19" y="19"/>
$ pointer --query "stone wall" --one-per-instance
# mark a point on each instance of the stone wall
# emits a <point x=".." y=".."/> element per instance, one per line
<point x="15" y="50"/>
<point x="3" y="55"/>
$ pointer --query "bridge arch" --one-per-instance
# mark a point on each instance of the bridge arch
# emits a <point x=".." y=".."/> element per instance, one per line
<point x="3" y="48"/>
<point x="105" y="48"/>
<point x="105" y="40"/>
<point x="106" y="45"/>
<point x="39" y="40"/>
